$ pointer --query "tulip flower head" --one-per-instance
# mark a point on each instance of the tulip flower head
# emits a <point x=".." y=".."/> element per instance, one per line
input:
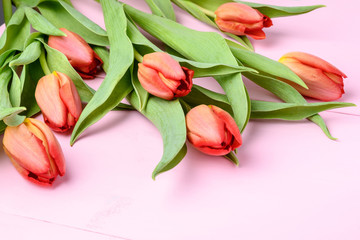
<point x="325" y="82"/>
<point x="241" y="19"/>
<point x="59" y="101"/>
<point x="80" y="55"/>
<point x="34" y="151"/>
<point x="212" y="130"/>
<point x="162" y="76"/>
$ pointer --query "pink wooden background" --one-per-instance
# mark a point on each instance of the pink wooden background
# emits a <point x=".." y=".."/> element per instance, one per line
<point x="292" y="182"/>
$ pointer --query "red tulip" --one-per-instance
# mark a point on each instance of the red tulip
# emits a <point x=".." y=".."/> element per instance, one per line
<point x="241" y="19"/>
<point x="212" y="130"/>
<point x="78" y="52"/>
<point x="34" y="151"/>
<point x="59" y="101"/>
<point x="325" y="82"/>
<point x="162" y="76"/>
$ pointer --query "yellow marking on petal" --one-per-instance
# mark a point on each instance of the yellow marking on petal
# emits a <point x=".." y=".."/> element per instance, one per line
<point x="55" y="73"/>
<point x="40" y="135"/>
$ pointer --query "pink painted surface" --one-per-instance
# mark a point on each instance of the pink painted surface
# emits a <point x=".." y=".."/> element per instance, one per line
<point x="292" y="183"/>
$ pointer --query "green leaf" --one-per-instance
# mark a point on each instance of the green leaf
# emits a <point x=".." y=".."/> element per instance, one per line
<point x="15" y="33"/>
<point x="169" y="118"/>
<point x="6" y="57"/>
<point x="5" y="77"/>
<point x="281" y="89"/>
<point x="2" y="127"/>
<point x="232" y="157"/>
<point x="5" y="112"/>
<point x="141" y="93"/>
<point x="41" y="24"/>
<point x="196" y="11"/>
<point x="207" y="47"/>
<point x="117" y="83"/>
<point x="58" y="62"/>
<point x="264" y="64"/>
<point x="142" y="44"/>
<point x="30" y="54"/>
<point x="211" y="69"/>
<point x="273" y="11"/>
<point x="14" y="119"/>
<point x="269" y="10"/>
<point x="162" y="8"/>
<point x="32" y="73"/>
<point x="263" y="109"/>
<point x="200" y="95"/>
<point x="62" y="15"/>
<point x="291" y="111"/>
<point x="104" y="54"/>
<point x="15" y="89"/>
<point x="286" y="93"/>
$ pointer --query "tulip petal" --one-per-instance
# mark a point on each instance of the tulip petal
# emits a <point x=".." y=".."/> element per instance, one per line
<point x="151" y="82"/>
<point x="50" y="103"/>
<point x="89" y="71"/>
<point x="29" y="175"/>
<point x="231" y="26"/>
<point x="171" y="84"/>
<point x="267" y="22"/>
<point x="185" y="84"/>
<point x="256" y="34"/>
<point x="336" y="78"/>
<point x="315" y="62"/>
<point x="238" y="12"/>
<point x="53" y="145"/>
<point x="69" y="95"/>
<point x="230" y="125"/>
<point x="214" y="151"/>
<point x="164" y="63"/>
<point x="201" y="121"/>
<point x="320" y="85"/>
<point x="26" y="149"/>
<point x="75" y="48"/>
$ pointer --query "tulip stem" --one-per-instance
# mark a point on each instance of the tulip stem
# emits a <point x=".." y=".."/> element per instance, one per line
<point x="207" y="12"/>
<point x="186" y="107"/>
<point x="138" y="56"/>
<point x="43" y="63"/>
<point x="7" y="10"/>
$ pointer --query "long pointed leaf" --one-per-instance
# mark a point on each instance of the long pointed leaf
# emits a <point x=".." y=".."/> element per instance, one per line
<point x="264" y="64"/>
<point x="291" y="111"/>
<point x="162" y="8"/>
<point x="15" y="33"/>
<point x="41" y="24"/>
<point x="30" y="54"/>
<point x="269" y="10"/>
<point x="169" y="118"/>
<point x="273" y="11"/>
<point x="286" y="93"/>
<point x="117" y="83"/>
<point x="62" y="15"/>
<point x="205" y="47"/>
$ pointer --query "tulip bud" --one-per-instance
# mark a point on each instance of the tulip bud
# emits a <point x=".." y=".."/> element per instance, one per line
<point x="59" y="101"/>
<point x="241" y="19"/>
<point x="162" y="76"/>
<point x="212" y="130"/>
<point x="34" y="151"/>
<point x="80" y="55"/>
<point x="325" y="82"/>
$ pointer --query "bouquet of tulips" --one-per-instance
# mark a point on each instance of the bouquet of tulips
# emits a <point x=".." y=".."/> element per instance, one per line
<point x="49" y="50"/>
